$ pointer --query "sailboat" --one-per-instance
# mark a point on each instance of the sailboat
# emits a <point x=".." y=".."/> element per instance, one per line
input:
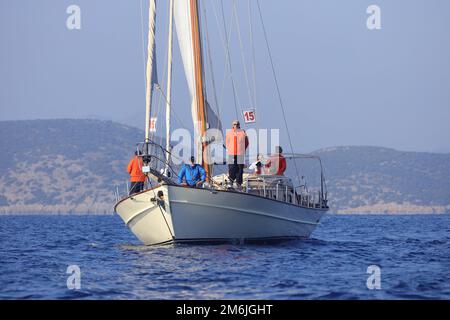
<point x="267" y="206"/>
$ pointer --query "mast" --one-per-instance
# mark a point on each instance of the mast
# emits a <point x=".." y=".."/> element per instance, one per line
<point x="169" y="84"/>
<point x="198" y="74"/>
<point x="149" y="70"/>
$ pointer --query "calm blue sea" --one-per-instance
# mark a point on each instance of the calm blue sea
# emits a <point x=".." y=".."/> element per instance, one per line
<point x="412" y="252"/>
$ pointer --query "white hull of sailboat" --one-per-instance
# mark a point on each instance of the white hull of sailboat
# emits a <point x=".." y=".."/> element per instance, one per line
<point x="189" y="214"/>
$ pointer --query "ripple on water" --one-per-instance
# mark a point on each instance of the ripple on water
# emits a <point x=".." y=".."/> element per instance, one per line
<point x="413" y="257"/>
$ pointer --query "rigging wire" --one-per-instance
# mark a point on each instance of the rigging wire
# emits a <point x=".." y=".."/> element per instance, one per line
<point x="171" y="108"/>
<point x="255" y="101"/>
<point x="159" y="206"/>
<point x="226" y="73"/>
<point x="211" y="69"/>
<point x="277" y="86"/>
<point x="228" y="57"/>
<point x="159" y="100"/>
<point x="143" y="52"/>
<point x="225" y="67"/>
<point x="244" y="64"/>
<point x="208" y="57"/>
<point x="142" y="39"/>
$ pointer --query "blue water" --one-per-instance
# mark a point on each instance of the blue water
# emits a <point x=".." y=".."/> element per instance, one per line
<point x="413" y="253"/>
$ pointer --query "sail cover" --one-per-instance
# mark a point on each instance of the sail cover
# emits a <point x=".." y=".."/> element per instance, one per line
<point x="183" y="24"/>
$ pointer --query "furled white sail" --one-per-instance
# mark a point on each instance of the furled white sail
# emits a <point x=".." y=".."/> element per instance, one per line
<point x="169" y="85"/>
<point x="151" y="73"/>
<point x="183" y="23"/>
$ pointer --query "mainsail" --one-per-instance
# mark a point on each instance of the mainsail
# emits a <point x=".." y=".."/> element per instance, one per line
<point x="187" y="27"/>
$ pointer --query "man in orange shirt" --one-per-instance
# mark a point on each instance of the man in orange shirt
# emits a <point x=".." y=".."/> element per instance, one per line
<point x="137" y="178"/>
<point x="236" y="143"/>
<point x="276" y="164"/>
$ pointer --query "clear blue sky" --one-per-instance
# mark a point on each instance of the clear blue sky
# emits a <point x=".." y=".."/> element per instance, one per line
<point x="341" y="83"/>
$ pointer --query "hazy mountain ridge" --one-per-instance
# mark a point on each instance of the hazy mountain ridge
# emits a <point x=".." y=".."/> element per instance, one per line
<point x="376" y="179"/>
<point x="63" y="166"/>
<point x="74" y="166"/>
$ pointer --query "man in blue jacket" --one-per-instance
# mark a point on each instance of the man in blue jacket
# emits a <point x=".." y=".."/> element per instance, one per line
<point x="194" y="174"/>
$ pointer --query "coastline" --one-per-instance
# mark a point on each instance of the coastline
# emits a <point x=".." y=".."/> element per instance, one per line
<point x="107" y="209"/>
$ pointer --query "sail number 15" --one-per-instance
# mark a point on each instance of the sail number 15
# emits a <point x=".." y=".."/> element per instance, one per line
<point x="249" y="116"/>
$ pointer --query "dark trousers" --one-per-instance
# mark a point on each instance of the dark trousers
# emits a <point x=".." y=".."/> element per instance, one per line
<point x="136" y="187"/>
<point x="235" y="171"/>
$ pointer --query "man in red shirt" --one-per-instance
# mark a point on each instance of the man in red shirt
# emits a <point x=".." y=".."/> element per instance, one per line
<point x="276" y="164"/>
<point x="137" y="178"/>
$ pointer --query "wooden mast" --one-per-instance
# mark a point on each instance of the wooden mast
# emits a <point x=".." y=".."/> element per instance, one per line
<point x="198" y="74"/>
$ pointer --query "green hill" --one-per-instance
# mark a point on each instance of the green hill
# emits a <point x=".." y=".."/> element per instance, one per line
<point x="74" y="166"/>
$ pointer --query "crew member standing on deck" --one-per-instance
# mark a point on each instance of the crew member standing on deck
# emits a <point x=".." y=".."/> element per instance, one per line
<point x="137" y="178"/>
<point x="237" y="144"/>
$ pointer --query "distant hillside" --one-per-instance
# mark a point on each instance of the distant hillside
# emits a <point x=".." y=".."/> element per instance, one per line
<point x="74" y="166"/>
<point x="374" y="179"/>
<point x="63" y="166"/>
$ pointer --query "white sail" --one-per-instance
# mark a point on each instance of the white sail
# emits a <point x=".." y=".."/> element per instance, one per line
<point x="169" y="85"/>
<point x="182" y="17"/>
<point x="151" y="74"/>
